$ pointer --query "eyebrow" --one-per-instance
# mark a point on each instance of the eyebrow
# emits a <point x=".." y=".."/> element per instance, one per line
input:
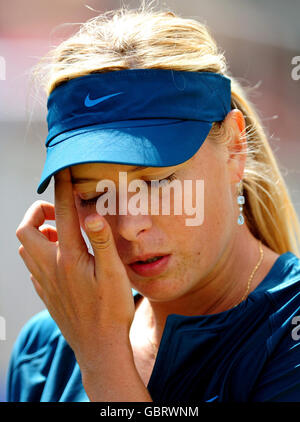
<point x="79" y="180"/>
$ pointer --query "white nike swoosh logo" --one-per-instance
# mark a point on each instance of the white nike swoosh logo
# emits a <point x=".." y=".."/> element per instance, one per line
<point x="90" y="103"/>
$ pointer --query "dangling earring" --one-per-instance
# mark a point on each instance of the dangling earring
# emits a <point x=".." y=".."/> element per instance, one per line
<point x="240" y="201"/>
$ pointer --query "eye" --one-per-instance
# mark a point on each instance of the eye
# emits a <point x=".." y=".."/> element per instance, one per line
<point x="92" y="202"/>
<point x="88" y="202"/>
<point x="169" y="179"/>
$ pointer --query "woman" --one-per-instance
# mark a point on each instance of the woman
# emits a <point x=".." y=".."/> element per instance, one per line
<point x="146" y="94"/>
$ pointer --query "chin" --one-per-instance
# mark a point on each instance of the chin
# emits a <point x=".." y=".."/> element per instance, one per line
<point x="161" y="290"/>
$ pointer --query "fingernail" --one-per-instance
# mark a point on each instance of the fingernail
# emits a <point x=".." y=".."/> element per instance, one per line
<point x="94" y="224"/>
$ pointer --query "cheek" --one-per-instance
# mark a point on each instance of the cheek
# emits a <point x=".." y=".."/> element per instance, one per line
<point x="207" y="238"/>
<point x="220" y="206"/>
<point x="218" y="224"/>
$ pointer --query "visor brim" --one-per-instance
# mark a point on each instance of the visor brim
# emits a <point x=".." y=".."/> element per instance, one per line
<point x="160" y="145"/>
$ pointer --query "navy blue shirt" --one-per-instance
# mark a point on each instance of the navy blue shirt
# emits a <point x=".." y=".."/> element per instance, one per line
<point x="250" y="353"/>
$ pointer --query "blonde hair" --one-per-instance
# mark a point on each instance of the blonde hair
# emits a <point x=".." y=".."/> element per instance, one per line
<point x="144" y="38"/>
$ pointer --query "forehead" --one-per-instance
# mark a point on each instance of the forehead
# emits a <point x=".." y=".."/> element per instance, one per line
<point x="99" y="170"/>
<point x="90" y="169"/>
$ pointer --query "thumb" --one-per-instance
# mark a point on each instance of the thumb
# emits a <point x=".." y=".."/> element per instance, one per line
<point x="101" y="238"/>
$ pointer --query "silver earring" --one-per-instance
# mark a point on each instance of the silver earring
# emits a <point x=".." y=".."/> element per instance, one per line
<point x="240" y="201"/>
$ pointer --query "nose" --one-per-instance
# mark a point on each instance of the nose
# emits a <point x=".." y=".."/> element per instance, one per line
<point x="131" y="226"/>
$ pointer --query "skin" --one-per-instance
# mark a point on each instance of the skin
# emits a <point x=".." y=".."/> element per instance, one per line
<point x="208" y="271"/>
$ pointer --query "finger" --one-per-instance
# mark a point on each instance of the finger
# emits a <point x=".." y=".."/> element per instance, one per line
<point x="28" y="231"/>
<point x="67" y="222"/>
<point x="37" y="213"/>
<point x="49" y="231"/>
<point x="107" y="259"/>
<point x="38" y="288"/>
<point x="29" y="262"/>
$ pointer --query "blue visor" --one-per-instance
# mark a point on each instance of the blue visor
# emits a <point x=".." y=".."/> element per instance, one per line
<point x="141" y="117"/>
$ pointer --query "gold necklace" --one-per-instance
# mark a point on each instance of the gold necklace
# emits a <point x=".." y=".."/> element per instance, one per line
<point x="253" y="272"/>
<point x="155" y="348"/>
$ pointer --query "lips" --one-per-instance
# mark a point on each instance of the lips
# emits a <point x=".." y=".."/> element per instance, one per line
<point x="155" y="268"/>
<point x="145" y="257"/>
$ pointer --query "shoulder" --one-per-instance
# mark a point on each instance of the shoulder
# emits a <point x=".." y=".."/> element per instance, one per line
<point x="279" y="380"/>
<point x="282" y="283"/>
<point x="38" y="332"/>
<point x="286" y="286"/>
<point x="282" y="287"/>
<point x="39" y="349"/>
<point x="32" y="348"/>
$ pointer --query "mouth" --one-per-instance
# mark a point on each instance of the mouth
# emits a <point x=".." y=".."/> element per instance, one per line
<point x="152" y="266"/>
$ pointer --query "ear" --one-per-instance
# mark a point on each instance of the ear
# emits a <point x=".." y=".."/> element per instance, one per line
<point x="237" y="147"/>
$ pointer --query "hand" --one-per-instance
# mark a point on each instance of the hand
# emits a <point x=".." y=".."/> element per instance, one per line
<point x="88" y="296"/>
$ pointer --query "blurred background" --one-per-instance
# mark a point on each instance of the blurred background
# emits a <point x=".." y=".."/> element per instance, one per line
<point x="260" y="39"/>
